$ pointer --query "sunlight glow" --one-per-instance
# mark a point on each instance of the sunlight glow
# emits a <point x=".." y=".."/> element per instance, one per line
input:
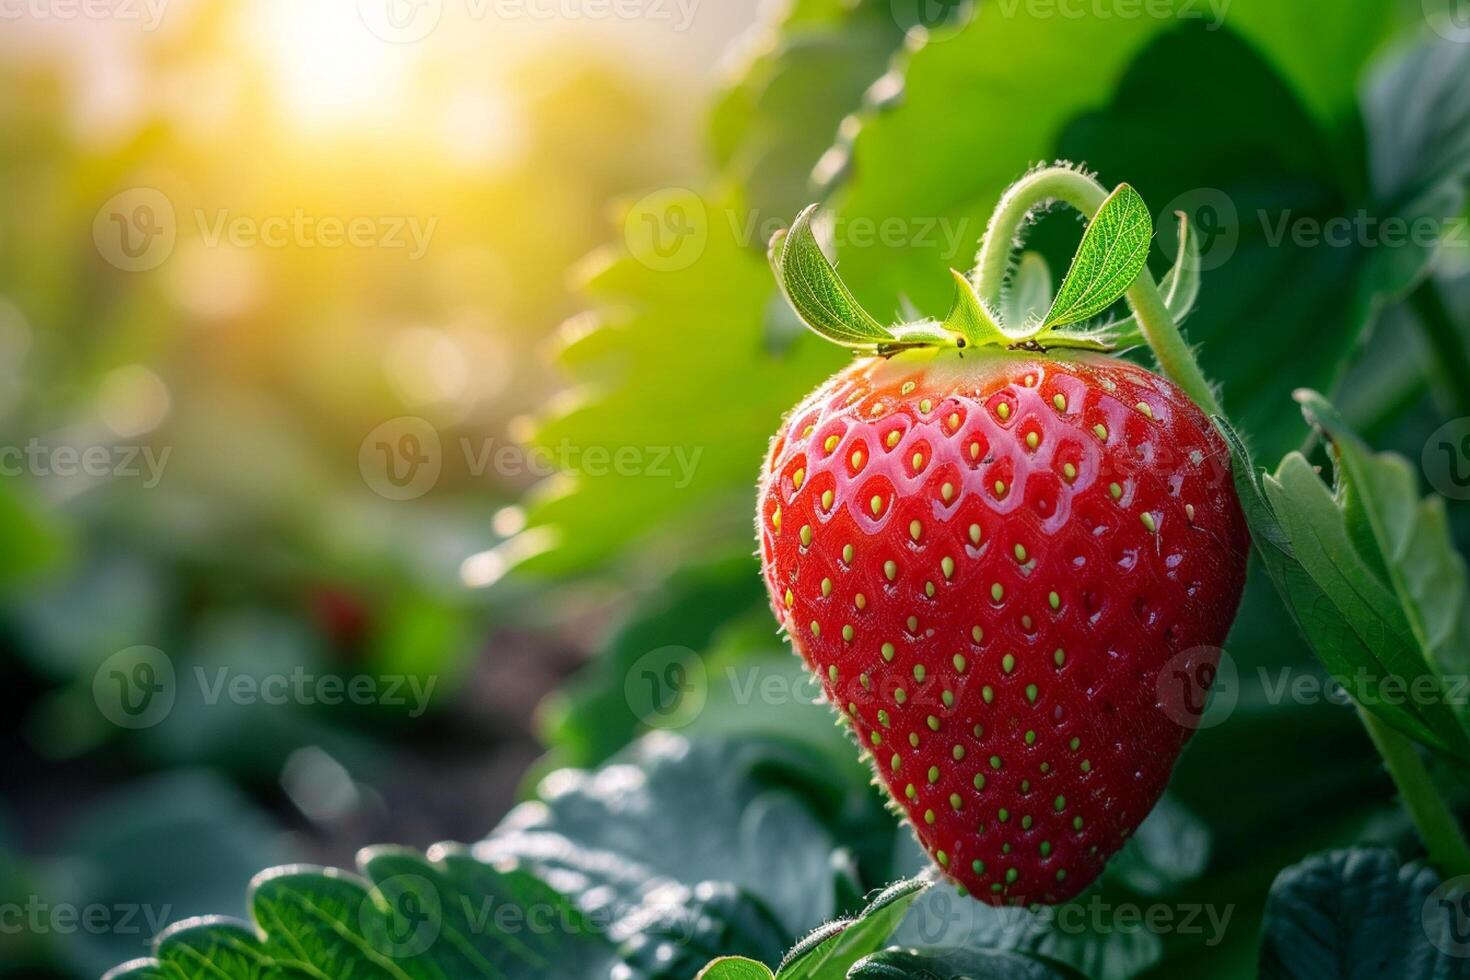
<point x="326" y="67"/>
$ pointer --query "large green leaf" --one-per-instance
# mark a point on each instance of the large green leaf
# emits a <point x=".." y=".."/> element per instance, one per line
<point x="807" y="72"/>
<point x="624" y="830"/>
<point x="942" y="921"/>
<point x="404" y="916"/>
<point x="671" y="855"/>
<point x="1405" y="539"/>
<point x="1006" y="68"/>
<point x="1243" y="159"/>
<point x="1193" y="117"/>
<point x="169" y="846"/>
<point x="678" y="359"/>
<point x="1358" y="915"/>
<point x="1416" y="111"/>
<point x="676" y="365"/>
<point x="1343" y="601"/>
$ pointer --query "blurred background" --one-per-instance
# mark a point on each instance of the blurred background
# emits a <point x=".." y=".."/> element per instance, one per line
<point x="383" y="384"/>
<point x="173" y="303"/>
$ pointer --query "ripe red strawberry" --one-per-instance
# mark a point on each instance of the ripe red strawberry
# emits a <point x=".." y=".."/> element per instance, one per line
<point x="988" y="558"/>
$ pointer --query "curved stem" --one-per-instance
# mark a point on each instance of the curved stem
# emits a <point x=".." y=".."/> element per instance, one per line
<point x="1437" y="826"/>
<point x="1003" y="235"/>
<point x="1087" y="195"/>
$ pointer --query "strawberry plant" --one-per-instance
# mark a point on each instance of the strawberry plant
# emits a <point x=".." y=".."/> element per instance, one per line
<point x="1044" y="534"/>
<point x="990" y="545"/>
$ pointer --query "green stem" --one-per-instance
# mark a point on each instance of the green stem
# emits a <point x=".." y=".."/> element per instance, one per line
<point x="1087" y="195"/>
<point x="1003" y="236"/>
<point x="1450" y="363"/>
<point x="1437" y="826"/>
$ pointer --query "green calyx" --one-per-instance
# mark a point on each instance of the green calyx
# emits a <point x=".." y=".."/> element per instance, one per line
<point x="1004" y="303"/>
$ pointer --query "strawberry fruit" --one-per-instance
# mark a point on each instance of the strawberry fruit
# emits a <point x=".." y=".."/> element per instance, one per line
<point x="988" y="559"/>
<point x="1004" y="554"/>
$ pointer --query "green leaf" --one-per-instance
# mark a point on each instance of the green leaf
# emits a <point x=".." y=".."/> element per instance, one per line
<point x="1113" y="252"/>
<point x="639" y="383"/>
<point x="1409" y="542"/>
<point x="404" y="916"/>
<point x="943" y="921"/>
<point x="600" y="877"/>
<point x="1351" y="618"/>
<point x="1179" y="289"/>
<point x="735" y="968"/>
<point x="676" y="930"/>
<point x="814" y="290"/>
<point x="618" y="828"/>
<point x="833" y="949"/>
<point x="175" y="844"/>
<point x="972" y="964"/>
<point x="810" y="67"/>
<point x="1358" y="915"/>
<point x="1416" y="110"/>
<point x="1028" y="293"/>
